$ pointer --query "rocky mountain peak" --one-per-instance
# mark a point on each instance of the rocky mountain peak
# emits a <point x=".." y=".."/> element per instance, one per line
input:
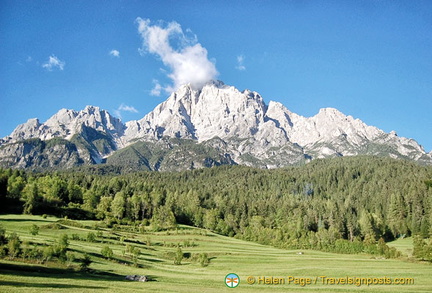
<point x="236" y="125"/>
<point x="217" y="110"/>
<point x="331" y="113"/>
<point x="65" y="123"/>
<point x="26" y="130"/>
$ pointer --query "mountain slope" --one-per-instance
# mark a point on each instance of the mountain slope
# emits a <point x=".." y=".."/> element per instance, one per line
<point x="217" y="124"/>
<point x="91" y="134"/>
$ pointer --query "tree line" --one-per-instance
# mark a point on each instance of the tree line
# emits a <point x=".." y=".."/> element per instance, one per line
<point x="348" y="205"/>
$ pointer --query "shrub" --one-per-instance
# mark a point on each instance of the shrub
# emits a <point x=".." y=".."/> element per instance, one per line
<point x="178" y="256"/>
<point x="14" y="245"/>
<point x="26" y="253"/>
<point x="34" y="230"/>
<point x="107" y="252"/>
<point x="70" y="257"/>
<point x="422" y="248"/>
<point x="136" y="252"/>
<point x="204" y="259"/>
<point x="3" y="251"/>
<point x="85" y="262"/>
<point x="71" y="223"/>
<point x="3" y="239"/>
<point x="91" y="237"/>
<point x="36" y="254"/>
<point x="48" y="253"/>
<point x="52" y="226"/>
<point x="64" y="241"/>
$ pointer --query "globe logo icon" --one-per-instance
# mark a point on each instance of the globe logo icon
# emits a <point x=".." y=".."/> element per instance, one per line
<point x="232" y="280"/>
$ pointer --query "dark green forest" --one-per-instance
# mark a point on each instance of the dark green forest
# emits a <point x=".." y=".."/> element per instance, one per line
<point x="347" y="205"/>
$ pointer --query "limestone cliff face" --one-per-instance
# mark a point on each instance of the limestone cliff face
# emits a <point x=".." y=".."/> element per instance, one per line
<point x="222" y="124"/>
<point x="269" y="134"/>
<point x="66" y="123"/>
<point x="38" y="154"/>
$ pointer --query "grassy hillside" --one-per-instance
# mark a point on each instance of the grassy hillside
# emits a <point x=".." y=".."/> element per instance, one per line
<point x="155" y="259"/>
<point x="404" y="245"/>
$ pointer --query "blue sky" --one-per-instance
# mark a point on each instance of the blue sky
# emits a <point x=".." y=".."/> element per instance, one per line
<point x="369" y="59"/>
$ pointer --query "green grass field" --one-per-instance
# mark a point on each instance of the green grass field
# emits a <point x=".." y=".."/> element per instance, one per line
<point x="404" y="245"/>
<point x="228" y="255"/>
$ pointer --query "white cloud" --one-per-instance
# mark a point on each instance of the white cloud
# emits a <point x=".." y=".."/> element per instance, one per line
<point x="114" y="53"/>
<point x="157" y="89"/>
<point x="240" y="60"/>
<point x="124" y="108"/>
<point x="127" y="108"/>
<point x="187" y="60"/>
<point x="53" y="63"/>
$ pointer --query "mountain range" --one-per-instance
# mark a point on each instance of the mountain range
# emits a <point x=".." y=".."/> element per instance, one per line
<point x="194" y="128"/>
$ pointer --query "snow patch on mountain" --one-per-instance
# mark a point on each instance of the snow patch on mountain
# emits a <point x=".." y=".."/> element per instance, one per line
<point x="236" y="123"/>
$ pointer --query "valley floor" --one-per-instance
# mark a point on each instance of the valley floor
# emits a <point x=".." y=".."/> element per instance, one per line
<point x="250" y="261"/>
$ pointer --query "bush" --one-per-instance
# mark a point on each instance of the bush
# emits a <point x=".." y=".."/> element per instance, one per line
<point x="3" y="239"/>
<point x="136" y="252"/>
<point x="14" y="245"/>
<point x="64" y="241"/>
<point x="204" y="259"/>
<point x="70" y="257"/>
<point x="3" y="251"/>
<point x="71" y="223"/>
<point x="422" y="248"/>
<point x="36" y="254"/>
<point x="52" y="226"/>
<point x="107" y="252"/>
<point x="346" y="246"/>
<point x="34" y="230"/>
<point x="48" y="253"/>
<point x="91" y="237"/>
<point x="178" y="256"/>
<point x="85" y="262"/>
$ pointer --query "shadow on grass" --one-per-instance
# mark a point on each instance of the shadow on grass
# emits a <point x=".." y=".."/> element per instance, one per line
<point x="121" y="260"/>
<point x="151" y="278"/>
<point x="56" y="273"/>
<point x="153" y="260"/>
<point x="47" y="285"/>
<point x="25" y="220"/>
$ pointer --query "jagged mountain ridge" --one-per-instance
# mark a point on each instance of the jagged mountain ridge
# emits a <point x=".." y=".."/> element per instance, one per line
<point x="65" y="123"/>
<point x="224" y="126"/>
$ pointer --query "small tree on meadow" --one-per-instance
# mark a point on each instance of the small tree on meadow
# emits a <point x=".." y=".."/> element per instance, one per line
<point x="204" y="259"/>
<point x="178" y="256"/>
<point x="48" y="253"/>
<point x="107" y="252"/>
<point x="85" y="262"/>
<point x="34" y="230"/>
<point x="14" y="245"/>
<point x="91" y="237"/>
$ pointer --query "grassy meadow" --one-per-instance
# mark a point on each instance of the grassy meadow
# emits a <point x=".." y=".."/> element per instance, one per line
<point x="155" y="259"/>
